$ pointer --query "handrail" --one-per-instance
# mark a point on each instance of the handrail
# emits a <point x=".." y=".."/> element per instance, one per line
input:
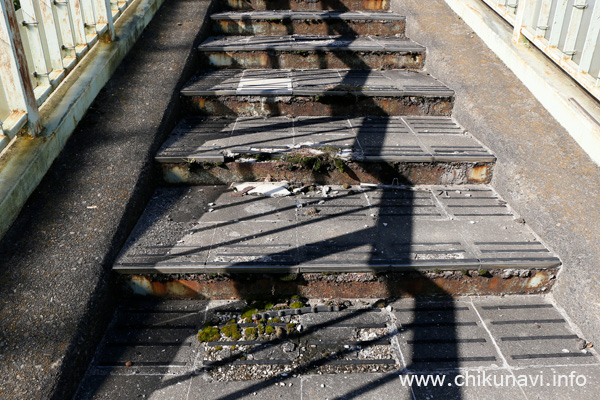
<point x="567" y="31"/>
<point x="40" y="44"/>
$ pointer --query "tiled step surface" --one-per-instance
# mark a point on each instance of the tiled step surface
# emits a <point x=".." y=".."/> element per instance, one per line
<point x="317" y="92"/>
<point x="152" y="351"/>
<point x="309" y="5"/>
<point x="389" y="139"/>
<point x="417" y="150"/>
<point x="311" y="51"/>
<point x="360" y="229"/>
<point x="285" y="22"/>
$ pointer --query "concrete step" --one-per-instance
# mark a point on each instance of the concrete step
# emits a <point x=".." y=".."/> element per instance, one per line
<point x="311" y="51"/>
<point x="454" y="239"/>
<point x="309" y="5"/>
<point x="326" y="150"/>
<point x="335" y="92"/>
<point x="284" y="22"/>
<point x="348" y="348"/>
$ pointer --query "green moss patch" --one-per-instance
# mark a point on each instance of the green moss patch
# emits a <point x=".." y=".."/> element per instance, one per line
<point x="232" y="331"/>
<point x="209" y="334"/>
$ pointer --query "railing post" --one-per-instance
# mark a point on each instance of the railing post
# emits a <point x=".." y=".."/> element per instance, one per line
<point x="13" y="69"/>
<point x="544" y="18"/>
<point x="32" y="30"/>
<point x="579" y="7"/>
<point x="51" y="33"/>
<point x="591" y="40"/>
<point x="77" y="19"/>
<point x="523" y="16"/>
<point x="104" y="17"/>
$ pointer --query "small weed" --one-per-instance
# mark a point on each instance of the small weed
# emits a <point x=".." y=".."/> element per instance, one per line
<point x="483" y="272"/>
<point x="339" y="164"/>
<point x="437" y="271"/>
<point x="218" y="348"/>
<point x="269" y="329"/>
<point x="464" y="272"/>
<point x="290" y="327"/>
<point x="261" y="329"/>
<point x="297" y="304"/>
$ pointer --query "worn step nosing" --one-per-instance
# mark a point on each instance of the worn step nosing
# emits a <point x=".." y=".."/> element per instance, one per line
<point x="307" y="43"/>
<point x="402" y="267"/>
<point x="285" y="15"/>
<point x="218" y="157"/>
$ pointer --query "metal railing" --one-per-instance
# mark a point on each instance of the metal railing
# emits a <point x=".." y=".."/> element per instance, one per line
<point x="40" y="43"/>
<point x="567" y="31"/>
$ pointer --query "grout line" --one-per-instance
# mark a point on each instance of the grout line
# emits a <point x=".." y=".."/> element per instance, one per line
<point x="493" y="339"/>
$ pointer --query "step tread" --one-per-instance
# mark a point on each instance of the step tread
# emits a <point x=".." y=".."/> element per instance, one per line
<point x="362" y="230"/>
<point x="307" y="15"/>
<point x="310" y="43"/>
<point x="388" y="139"/>
<point x="314" y="82"/>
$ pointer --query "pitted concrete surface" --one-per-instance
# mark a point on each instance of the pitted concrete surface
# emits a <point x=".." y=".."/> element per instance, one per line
<point x="354" y="349"/>
<point x="55" y="296"/>
<point x="541" y="171"/>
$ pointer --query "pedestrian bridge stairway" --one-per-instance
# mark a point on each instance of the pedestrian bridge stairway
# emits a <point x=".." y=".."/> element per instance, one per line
<point x="318" y="158"/>
<point x="318" y="176"/>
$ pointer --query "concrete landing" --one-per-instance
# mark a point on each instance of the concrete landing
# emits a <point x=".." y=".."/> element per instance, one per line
<point x="513" y="348"/>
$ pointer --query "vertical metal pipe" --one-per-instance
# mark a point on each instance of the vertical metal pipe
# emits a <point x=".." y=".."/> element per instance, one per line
<point x="13" y="69"/>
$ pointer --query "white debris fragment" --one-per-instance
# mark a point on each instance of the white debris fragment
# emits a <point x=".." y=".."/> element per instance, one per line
<point x="270" y="189"/>
<point x="211" y="204"/>
<point x="211" y="209"/>
<point x="325" y="190"/>
<point x="385" y="224"/>
<point x="321" y="202"/>
<point x="565" y="351"/>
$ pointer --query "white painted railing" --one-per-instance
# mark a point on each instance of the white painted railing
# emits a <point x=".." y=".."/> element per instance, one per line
<point x="40" y="44"/>
<point x="567" y="31"/>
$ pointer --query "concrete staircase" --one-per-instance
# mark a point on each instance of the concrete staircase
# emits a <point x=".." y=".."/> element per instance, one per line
<point x="315" y="181"/>
<point x="385" y="193"/>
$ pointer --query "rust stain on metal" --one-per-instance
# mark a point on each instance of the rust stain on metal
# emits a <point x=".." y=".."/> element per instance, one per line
<point x="307" y="5"/>
<point x="344" y="285"/>
<point x="34" y="126"/>
<point x="354" y="27"/>
<point x="330" y="59"/>
<point x="480" y="174"/>
<point x="435" y="173"/>
<point x="353" y="104"/>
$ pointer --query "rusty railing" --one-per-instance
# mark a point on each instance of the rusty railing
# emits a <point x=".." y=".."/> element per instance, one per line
<point x="567" y="31"/>
<point x="40" y="43"/>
